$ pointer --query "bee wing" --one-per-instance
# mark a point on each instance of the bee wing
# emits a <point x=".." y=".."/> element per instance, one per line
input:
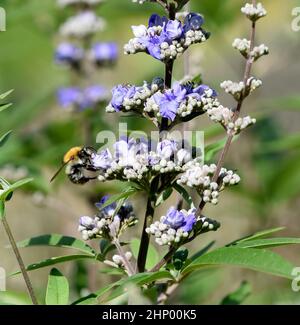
<point x="59" y="170"/>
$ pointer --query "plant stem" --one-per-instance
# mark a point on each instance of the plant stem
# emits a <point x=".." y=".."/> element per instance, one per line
<point x="20" y="261"/>
<point x="237" y="111"/>
<point x="145" y="239"/>
<point x="164" y="260"/>
<point x="127" y="263"/>
<point x="150" y="209"/>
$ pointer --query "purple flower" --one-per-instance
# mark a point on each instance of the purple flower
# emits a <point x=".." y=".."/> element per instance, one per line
<point x="87" y="222"/>
<point x="170" y="100"/>
<point x="178" y="219"/>
<point x="193" y="21"/>
<point x="189" y="223"/>
<point x="172" y="30"/>
<point x="156" y="20"/>
<point x="69" y="96"/>
<point x="153" y="45"/>
<point x="68" y="53"/>
<point x="119" y="93"/>
<point x="105" y="52"/>
<point x="174" y="218"/>
<point x="166" y="148"/>
<point x="93" y="95"/>
<point x="102" y="160"/>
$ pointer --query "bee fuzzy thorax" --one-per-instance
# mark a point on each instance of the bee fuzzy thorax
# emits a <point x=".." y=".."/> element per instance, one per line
<point x="71" y="154"/>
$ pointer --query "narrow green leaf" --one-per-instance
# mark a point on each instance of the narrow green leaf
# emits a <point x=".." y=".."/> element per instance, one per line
<point x="238" y="296"/>
<point x="3" y="107"/>
<point x="251" y="258"/>
<point x="2" y="96"/>
<point x="4" y="138"/>
<point x="57" y="240"/>
<point x="256" y="235"/>
<point x="2" y="210"/>
<point x="5" y="193"/>
<point x="139" y="279"/>
<point x="269" y="242"/>
<point x="164" y="196"/>
<point x="203" y="250"/>
<point x="152" y="256"/>
<point x="54" y="261"/>
<point x="57" y="289"/>
<point x="181" y="190"/>
<point x="112" y="271"/>
<point x="126" y="194"/>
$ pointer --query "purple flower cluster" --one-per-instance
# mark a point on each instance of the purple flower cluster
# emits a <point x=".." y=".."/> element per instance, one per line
<point x="178" y="219"/>
<point x="104" y="53"/>
<point x="107" y="223"/>
<point x="67" y="53"/>
<point x="119" y="93"/>
<point x="78" y="99"/>
<point x="163" y="34"/>
<point x="170" y="100"/>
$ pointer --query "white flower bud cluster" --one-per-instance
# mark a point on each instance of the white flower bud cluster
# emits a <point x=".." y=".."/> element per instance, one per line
<point x="224" y="116"/>
<point x="119" y="261"/>
<point x="235" y="89"/>
<point x="84" y="24"/>
<point x="140" y="167"/>
<point x="238" y="89"/>
<point x="92" y="228"/>
<point x="200" y="178"/>
<point x="167" y="51"/>
<point x="254" y="12"/>
<point x="240" y="124"/>
<point x="259" y="51"/>
<point x="64" y="3"/>
<point x="166" y="235"/>
<point x="139" y="98"/>
<point x="243" y="45"/>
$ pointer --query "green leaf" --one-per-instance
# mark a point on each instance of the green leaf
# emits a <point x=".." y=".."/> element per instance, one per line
<point x="203" y="250"/>
<point x="125" y="195"/>
<point x="238" y="296"/>
<point x="112" y="271"/>
<point x="139" y="279"/>
<point x="197" y="80"/>
<point x="152" y="256"/>
<point x="2" y="96"/>
<point x="57" y="289"/>
<point x="250" y="258"/>
<point x="6" y="192"/>
<point x="256" y="235"/>
<point x="2" y="210"/>
<point x="3" y="107"/>
<point x="57" y="240"/>
<point x="4" y="138"/>
<point x="54" y="261"/>
<point x="181" y="190"/>
<point x="269" y="242"/>
<point x="164" y="196"/>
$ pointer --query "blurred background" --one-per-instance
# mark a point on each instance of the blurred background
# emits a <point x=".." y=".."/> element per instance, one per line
<point x="266" y="156"/>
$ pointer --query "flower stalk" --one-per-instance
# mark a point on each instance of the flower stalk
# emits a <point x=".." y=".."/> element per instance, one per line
<point x="19" y="260"/>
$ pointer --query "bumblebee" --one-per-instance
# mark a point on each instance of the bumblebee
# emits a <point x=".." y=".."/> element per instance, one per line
<point x="79" y="166"/>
